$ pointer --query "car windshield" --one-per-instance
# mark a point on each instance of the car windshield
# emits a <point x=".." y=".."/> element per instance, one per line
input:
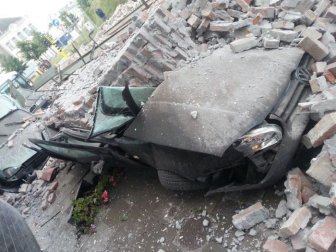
<point x="6" y="106"/>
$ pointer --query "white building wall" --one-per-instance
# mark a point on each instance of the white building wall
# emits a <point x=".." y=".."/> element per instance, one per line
<point x="18" y="31"/>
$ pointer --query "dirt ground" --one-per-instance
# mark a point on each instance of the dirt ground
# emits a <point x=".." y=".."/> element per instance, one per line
<point x="143" y="216"/>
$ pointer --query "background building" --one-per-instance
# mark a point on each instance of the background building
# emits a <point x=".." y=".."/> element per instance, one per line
<point x="13" y="30"/>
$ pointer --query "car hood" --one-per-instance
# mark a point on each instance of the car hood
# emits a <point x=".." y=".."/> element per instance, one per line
<point x="229" y="94"/>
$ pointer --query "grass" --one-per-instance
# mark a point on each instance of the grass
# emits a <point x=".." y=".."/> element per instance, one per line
<point x="86" y="207"/>
<point x="107" y="6"/>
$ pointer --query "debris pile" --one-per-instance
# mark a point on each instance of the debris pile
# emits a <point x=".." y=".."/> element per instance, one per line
<point x="40" y="191"/>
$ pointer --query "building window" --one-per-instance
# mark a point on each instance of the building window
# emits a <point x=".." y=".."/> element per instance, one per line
<point x="14" y="40"/>
<point x="10" y="45"/>
<point x="21" y="36"/>
<point x="31" y="27"/>
<point x="27" y="31"/>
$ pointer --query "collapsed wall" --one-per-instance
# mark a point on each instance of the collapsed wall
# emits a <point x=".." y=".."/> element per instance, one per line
<point x="158" y="46"/>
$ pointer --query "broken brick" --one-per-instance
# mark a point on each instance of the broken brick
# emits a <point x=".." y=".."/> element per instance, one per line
<point x="48" y="174"/>
<point x="319" y="67"/>
<point x="323" y="235"/>
<point x="275" y="245"/>
<point x="318" y="84"/>
<point x="243" y="44"/>
<point x="284" y="35"/>
<point x="194" y="21"/>
<point x="321" y="169"/>
<point x="332" y="68"/>
<point x="250" y="216"/>
<point x="293" y="191"/>
<point x="298" y="220"/>
<point x="329" y="76"/>
<point x="314" y="47"/>
<point x="243" y="4"/>
<point x="331" y="13"/>
<point x="323" y="130"/>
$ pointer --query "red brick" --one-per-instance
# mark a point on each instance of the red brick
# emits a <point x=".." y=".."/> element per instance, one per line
<point x="275" y="246"/>
<point x="329" y="76"/>
<point x="48" y="174"/>
<point x="293" y="191"/>
<point x="323" y="130"/>
<point x="321" y="169"/>
<point x="324" y="235"/>
<point x="298" y="220"/>
<point x="332" y="68"/>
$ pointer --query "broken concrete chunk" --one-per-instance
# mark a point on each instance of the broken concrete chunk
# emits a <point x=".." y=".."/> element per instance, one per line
<point x="243" y="44"/>
<point x="243" y="4"/>
<point x="44" y="204"/>
<point x="271" y="43"/>
<point x="51" y="197"/>
<point x="319" y="67"/>
<point x="284" y="35"/>
<point x="293" y="191"/>
<point x="282" y="24"/>
<point x="323" y="235"/>
<point x="312" y="33"/>
<point x="310" y="17"/>
<point x="331" y="13"/>
<point x="298" y="241"/>
<point x="322" y="169"/>
<point x="220" y="26"/>
<point x="314" y="47"/>
<point x="318" y="84"/>
<point x="321" y="203"/>
<point x="53" y="186"/>
<point x="250" y="216"/>
<point x="275" y="245"/>
<point x="323" y="130"/>
<point x="321" y="7"/>
<point x="298" y="220"/>
<point x="194" y="114"/>
<point x="24" y="188"/>
<point x="281" y="210"/>
<point x="266" y="12"/>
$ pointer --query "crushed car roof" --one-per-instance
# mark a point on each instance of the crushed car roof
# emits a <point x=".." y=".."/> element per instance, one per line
<point x="205" y="107"/>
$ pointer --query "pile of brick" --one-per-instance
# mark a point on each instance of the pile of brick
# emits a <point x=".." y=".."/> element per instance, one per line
<point x="307" y="218"/>
<point x="246" y="24"/>
<point x="157" y="46"/>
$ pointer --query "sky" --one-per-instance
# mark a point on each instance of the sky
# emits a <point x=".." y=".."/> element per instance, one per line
<point x="40" y="12"/>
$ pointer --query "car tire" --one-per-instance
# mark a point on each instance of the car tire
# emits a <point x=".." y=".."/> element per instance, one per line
<point x="174" y="182"/>
<point x="15" y="235"/>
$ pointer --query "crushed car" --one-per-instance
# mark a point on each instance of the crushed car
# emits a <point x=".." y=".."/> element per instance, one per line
<point x="17" y="162"/>
<point x="224" y="123"/>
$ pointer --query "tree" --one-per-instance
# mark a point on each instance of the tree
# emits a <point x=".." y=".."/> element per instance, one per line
<point x="68" y="19"/>
<point x="35" y="48"/>
<point x="10" y="64"/>
<point x="84" y="3"/>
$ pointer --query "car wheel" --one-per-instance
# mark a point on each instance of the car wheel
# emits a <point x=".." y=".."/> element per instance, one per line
<point x="15" y="235"/>
<point x="172" y="181"/>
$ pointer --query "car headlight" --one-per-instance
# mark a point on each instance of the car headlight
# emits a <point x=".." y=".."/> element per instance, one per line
<point x="261" y="138"/>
